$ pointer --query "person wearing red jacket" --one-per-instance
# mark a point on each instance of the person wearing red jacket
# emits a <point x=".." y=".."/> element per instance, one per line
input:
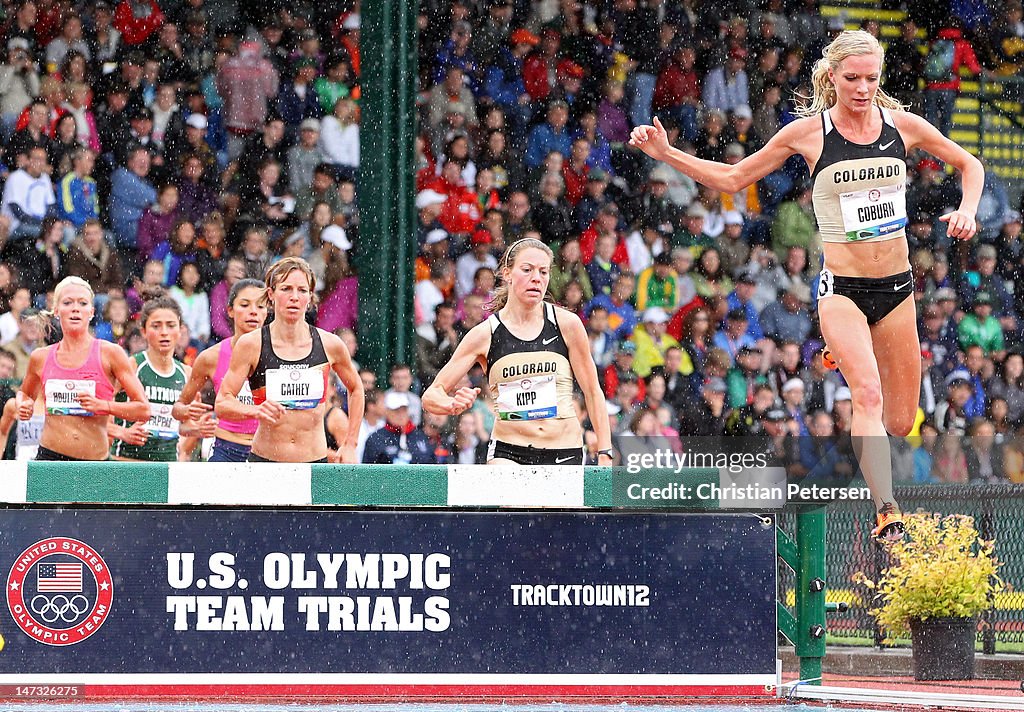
<point x="606" y="222"/>
<point x="540" y="67"/>
<point x="137" y="20"/>
<point x="940" y="94"/>
<point x="461" y="210"/>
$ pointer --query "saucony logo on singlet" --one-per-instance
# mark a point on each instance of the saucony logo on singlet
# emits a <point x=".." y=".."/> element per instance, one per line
<point x="883" y="146"/>
<point x="548" y="341"/>
<point x="898" y="287"/>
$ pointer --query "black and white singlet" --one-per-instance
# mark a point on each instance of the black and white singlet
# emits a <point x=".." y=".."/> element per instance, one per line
<point x="530" y="380"/>
<point x="860" y="191"/>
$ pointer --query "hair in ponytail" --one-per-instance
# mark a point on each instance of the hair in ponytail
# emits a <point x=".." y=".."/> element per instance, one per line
<point x="158" y="298"/>
<point x="500" y="298"/>
<point x="849" y="43"/>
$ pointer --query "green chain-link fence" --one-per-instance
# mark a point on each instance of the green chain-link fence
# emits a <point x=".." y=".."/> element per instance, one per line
<point x="998" y="511"/>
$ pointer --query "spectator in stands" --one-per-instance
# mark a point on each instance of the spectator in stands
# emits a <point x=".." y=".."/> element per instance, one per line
<point x="78" y="201"/>
<point x="247" y="83"/>
<point x="19" y="83"/>
<point x="255" y="252"/>
<point x="298" y="99"/>
<point x="157" y="220"/>
<point x="194" y="303"/>
<point x="304" y="156"/>
<point x="551" y="212"/>
<point x="137" y="20"/>
<point x="30" y="337"/>
<point x="552" y="135"/>
<point x="130" y="195"/>
<point x="468" y="264"/>
<point x="677" y="92"/>
<point x="980" y="328"/>
<point x="745" y="376"/>
<point x="28" y="196"/>
<point x="435" y="342"/>
<point x="1009" y="385"/>
<point x="947" y="53"/>
<point x="709" y="278"/>
<point x="984" y="456"/>
<point x="692" y="235"/>
<point x="177" y="250"/>
<point x="40" y="261"/>
<point x="725" y="86"/>
<point x="20" y="300"/>
<point x="794" y="224"/>
<point x="788" y="319"/>
<point x="92" y="259"/>
<point x="399" y="442"/>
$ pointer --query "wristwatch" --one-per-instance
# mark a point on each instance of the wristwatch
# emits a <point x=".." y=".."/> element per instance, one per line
<point x="609" y="452"/>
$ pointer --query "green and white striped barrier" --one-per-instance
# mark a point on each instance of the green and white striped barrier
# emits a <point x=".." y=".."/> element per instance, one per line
<point x="260" y="484"/>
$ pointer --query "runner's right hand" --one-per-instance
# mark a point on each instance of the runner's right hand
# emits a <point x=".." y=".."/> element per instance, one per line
<point x="269" y="412"/>
<point x="463" y="400"/>
<point x="25" y="406"/>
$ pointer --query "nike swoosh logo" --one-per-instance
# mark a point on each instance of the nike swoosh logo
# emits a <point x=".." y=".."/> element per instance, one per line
<point x="564" y="459"/>
<point x="548" y="341"/>
<point x="883" y="146"/>
<point x="898" y="287"/>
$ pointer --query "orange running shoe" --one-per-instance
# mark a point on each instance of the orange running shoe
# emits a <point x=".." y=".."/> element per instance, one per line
<point x="828" y="361"/>
<point x="889" y="527"/>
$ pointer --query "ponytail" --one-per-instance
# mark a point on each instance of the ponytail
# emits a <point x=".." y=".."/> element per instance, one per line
<point x="823" y="92"/>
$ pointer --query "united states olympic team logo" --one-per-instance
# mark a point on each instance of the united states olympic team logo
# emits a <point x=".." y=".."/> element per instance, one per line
<point x="59" y="591"/>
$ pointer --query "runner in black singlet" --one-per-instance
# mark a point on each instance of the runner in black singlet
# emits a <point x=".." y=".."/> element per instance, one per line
<point x="533" y="353"/>
<point x="287" y="364"/>
<point x="854" y="138"/>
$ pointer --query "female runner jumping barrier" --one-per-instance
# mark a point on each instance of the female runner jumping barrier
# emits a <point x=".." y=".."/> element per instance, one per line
<point x="855" y="139"/>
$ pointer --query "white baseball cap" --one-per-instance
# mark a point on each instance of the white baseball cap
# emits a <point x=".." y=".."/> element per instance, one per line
<point x="337" y="236"/>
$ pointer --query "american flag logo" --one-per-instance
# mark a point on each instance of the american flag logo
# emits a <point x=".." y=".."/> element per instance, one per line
<point x="59" y="578"/>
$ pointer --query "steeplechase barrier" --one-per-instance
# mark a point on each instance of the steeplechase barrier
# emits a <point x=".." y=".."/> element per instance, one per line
<point x="202" y="581"/>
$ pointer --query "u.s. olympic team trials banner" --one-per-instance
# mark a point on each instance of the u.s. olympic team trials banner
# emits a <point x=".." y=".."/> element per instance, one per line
<point x="92" y="594"/>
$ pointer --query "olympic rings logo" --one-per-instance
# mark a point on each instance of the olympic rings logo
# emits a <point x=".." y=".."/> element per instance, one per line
<point x="59" y="607"/>
<point x="54" y="618"/>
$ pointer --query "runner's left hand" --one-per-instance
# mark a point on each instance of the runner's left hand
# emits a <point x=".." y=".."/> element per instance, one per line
<point x="960" y="224"/>
<point x="93" y="404"/>
<point x="346" y="455"/>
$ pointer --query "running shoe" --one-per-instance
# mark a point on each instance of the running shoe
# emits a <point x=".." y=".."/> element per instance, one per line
<point x="889" y="524"/>
<point x="828" y="361"/>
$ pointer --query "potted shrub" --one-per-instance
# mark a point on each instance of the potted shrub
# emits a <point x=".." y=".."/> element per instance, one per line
<point x="942" y="575"/>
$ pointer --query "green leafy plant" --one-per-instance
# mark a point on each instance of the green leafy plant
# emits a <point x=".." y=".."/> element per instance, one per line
<point x="941" y="569"/>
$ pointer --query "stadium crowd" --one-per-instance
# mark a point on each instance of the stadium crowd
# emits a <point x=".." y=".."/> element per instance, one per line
<point x="145" y="145"/>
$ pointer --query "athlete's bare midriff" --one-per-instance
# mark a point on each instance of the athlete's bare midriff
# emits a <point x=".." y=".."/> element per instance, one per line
<point x="298" y="437"/>
<point x="551" y="433"/>
<point x="80" y="437"/>
<point x="868" y="259"/>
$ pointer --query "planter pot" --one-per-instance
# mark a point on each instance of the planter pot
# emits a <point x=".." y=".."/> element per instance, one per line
<point x="944" y="648"/>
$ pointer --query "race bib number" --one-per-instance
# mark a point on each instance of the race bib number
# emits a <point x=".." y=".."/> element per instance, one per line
<point x="826" y="284"/>
<point x="160" y="424"/>
<point x="532" y="398"/>
<point x="62" y="396"/>
<point x="874" y="213"/>
<point x="295" y="388"/>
